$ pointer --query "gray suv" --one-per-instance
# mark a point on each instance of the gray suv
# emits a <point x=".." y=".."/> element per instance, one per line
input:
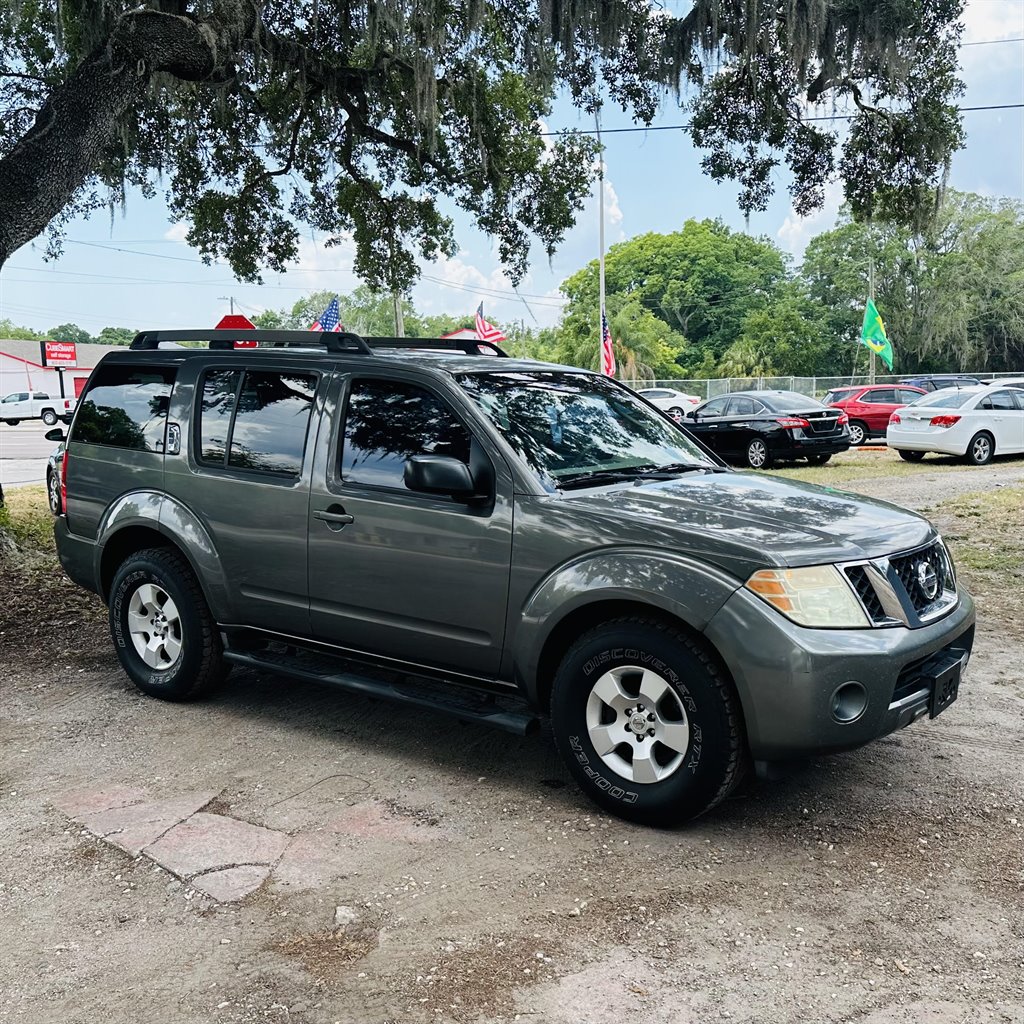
<point x="502" y="540"/>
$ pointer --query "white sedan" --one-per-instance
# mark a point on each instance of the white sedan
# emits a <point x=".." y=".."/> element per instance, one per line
<point x="975" y="423"/>
<point x="675" y="403"/>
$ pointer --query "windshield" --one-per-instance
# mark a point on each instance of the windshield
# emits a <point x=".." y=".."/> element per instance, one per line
<point x="579" y="428"/>
<point x="947" y="398"/>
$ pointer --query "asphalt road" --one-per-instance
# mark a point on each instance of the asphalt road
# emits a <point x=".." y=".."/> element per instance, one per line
<point x="23" y="453"/>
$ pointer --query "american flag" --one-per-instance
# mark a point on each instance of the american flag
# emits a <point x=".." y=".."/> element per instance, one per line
<point x="607" y="352"/>
<point x="330" y="319"/>
<point x="484" y="330"/>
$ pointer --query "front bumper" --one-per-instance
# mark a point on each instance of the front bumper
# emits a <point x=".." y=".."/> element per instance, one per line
<point x="786" y="675"/>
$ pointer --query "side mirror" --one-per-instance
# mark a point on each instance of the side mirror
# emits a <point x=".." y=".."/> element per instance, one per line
<point x="439" y="474"/>
<point x="54" y="435"/>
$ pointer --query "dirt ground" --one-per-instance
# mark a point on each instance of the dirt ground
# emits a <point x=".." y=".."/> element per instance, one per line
<point x="436" y="872"/>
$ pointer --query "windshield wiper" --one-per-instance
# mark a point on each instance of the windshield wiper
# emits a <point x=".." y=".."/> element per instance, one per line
<point x="673" y="469"/>
<point x="600" y="476"/>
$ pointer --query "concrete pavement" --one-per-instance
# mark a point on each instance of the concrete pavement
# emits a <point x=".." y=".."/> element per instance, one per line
<point x="23" y="453"/>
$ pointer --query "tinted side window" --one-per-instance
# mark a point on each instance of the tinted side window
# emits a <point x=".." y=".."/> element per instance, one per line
<point x="908" y="396"/>
<point x="126" y="407"/>
<point x="741" y="407"/>
<point x="1000" y="400"/>
<point x="714" y="408"/>
<point x="220" y="388"/>
<point x="389" y="421"/>
<point x="882" y="396"/>
<point x="258" y="421"/>
<point x="271" y="421"/>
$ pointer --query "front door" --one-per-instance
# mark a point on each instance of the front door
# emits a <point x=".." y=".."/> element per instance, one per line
<point x="422" y="579"/>
<point x="708" y="424"/>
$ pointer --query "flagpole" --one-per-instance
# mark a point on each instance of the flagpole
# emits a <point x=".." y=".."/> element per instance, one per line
<point x="600" y="195"/>
<point x="871" y="296"/>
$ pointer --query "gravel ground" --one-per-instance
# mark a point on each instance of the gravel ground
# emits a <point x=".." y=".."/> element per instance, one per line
<point x="474" y="882"/>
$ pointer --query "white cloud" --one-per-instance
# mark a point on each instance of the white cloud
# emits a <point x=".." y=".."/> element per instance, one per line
<point x="797" y="231"/>
<point x="992" y="19"/>
<point x="177" y="232"/>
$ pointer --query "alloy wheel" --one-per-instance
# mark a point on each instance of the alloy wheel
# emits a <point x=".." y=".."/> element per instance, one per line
<point x="757" y="454"/>
<point x="637" y="724"/>
<point x="155" y="626"/>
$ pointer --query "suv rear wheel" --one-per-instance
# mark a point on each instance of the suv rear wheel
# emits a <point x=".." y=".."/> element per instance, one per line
<point x="648" y="724"/>
<point x="163" y="632"/>
<point x="858" y="433"/>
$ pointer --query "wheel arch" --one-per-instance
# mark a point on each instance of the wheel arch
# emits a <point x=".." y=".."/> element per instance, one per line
<point x="140" y="520"/>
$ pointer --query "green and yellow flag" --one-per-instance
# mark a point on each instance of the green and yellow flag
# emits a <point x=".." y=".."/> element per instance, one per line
<point x="873" y="335"/>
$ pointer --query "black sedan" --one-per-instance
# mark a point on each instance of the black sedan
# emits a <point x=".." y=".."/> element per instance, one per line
<point x="757" y="428"/>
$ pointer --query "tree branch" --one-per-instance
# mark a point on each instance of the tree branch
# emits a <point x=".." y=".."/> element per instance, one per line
<point x="296" y="126"/>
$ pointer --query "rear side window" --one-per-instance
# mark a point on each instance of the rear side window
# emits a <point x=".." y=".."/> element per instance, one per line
<point x="741" y="407"/>
<point x="255" y="419"/>
<point x="1000" y="400"/>
<point x="880" y="396"/>
<point x="388" y="422"/>
<point x="126" y="407"/>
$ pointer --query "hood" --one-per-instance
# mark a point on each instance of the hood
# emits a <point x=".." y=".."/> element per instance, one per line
<point x="760" y="519"/>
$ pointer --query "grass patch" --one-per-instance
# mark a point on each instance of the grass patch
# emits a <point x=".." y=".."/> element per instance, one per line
<point x="26" y="518"/>
<point x="985" y="532"/>
<point x="850" y="466"/>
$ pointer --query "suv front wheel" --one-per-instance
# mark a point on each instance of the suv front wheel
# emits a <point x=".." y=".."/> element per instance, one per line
<point x="647" y="722"/>
<point x="165" y="637"/>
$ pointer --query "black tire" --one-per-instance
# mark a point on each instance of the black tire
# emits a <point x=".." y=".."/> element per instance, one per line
<point x="715" y="755"/>
<point x="981" y="449"/>
<point x="12" y="423"/>
<point x="53" y="491"/>
<point x="858" y="433"/>
<point x="909" y="456"/>
<point x="758" y="454"/>
<point x="676" y="410"/>
<point x="49" y="417"/>
<point x="199" y="666"/>
<point x="818" y="460"/>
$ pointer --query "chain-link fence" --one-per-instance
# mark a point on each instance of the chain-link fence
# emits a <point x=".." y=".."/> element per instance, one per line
<point x="816" y="387"/>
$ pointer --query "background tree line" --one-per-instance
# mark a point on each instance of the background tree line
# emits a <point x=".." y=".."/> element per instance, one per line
<point x="706" y="301"/>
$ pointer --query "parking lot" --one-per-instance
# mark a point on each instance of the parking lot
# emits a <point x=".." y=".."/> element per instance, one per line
<point x="23" y="453"/>
<point x="285" y="853"/>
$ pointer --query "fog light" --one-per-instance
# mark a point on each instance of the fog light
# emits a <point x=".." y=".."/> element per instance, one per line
<point x="849" y="702"/>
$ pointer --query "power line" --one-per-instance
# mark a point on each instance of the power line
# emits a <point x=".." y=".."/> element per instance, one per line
<point x="680" y="127"/>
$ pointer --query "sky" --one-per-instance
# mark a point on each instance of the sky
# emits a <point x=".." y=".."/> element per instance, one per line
<point x="132" y="268"/>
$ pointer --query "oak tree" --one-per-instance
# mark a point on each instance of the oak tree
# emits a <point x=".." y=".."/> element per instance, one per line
<point x="374" y="119"/>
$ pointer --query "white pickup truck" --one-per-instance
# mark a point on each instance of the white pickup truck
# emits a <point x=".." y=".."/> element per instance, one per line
<point x="35" y="405"/>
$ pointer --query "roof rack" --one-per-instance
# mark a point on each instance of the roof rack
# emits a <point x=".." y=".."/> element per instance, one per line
<point x="341" y="341"/>
<point x="468" y="346"/>
<point x="334" y="342"/>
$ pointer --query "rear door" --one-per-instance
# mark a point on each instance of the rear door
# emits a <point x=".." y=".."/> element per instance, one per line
<point x="243" y="471"/>
<point x="398" y="574"/>
<point x="878" y="404"/>
<point x="1006" y="420"/>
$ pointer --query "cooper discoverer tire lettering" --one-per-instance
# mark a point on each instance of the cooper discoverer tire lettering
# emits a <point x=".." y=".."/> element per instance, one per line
<point x="647" y="722"/>
<point x="164" y="635"/>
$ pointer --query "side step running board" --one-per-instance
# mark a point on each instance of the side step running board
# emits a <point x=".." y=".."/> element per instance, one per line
<point x="467" y="705"/>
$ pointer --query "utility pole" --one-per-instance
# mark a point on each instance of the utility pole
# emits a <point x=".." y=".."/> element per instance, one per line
<point x="399" y="316"/>
<point x="228" y="298"/>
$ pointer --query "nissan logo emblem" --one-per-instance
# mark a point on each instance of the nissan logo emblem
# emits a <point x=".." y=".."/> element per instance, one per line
<point x="928" y="580"/>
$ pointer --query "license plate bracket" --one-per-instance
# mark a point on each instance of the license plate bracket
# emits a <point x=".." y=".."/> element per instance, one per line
<point x="945" y="680"/>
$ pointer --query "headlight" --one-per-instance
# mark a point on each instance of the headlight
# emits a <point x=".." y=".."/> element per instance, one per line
<point x="817" y="595"/>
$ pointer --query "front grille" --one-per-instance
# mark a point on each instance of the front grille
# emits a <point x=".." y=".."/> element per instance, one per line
<point x="914" y="571"/>
<point x="895" y="591"/>
<point x="866" y="592"/>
